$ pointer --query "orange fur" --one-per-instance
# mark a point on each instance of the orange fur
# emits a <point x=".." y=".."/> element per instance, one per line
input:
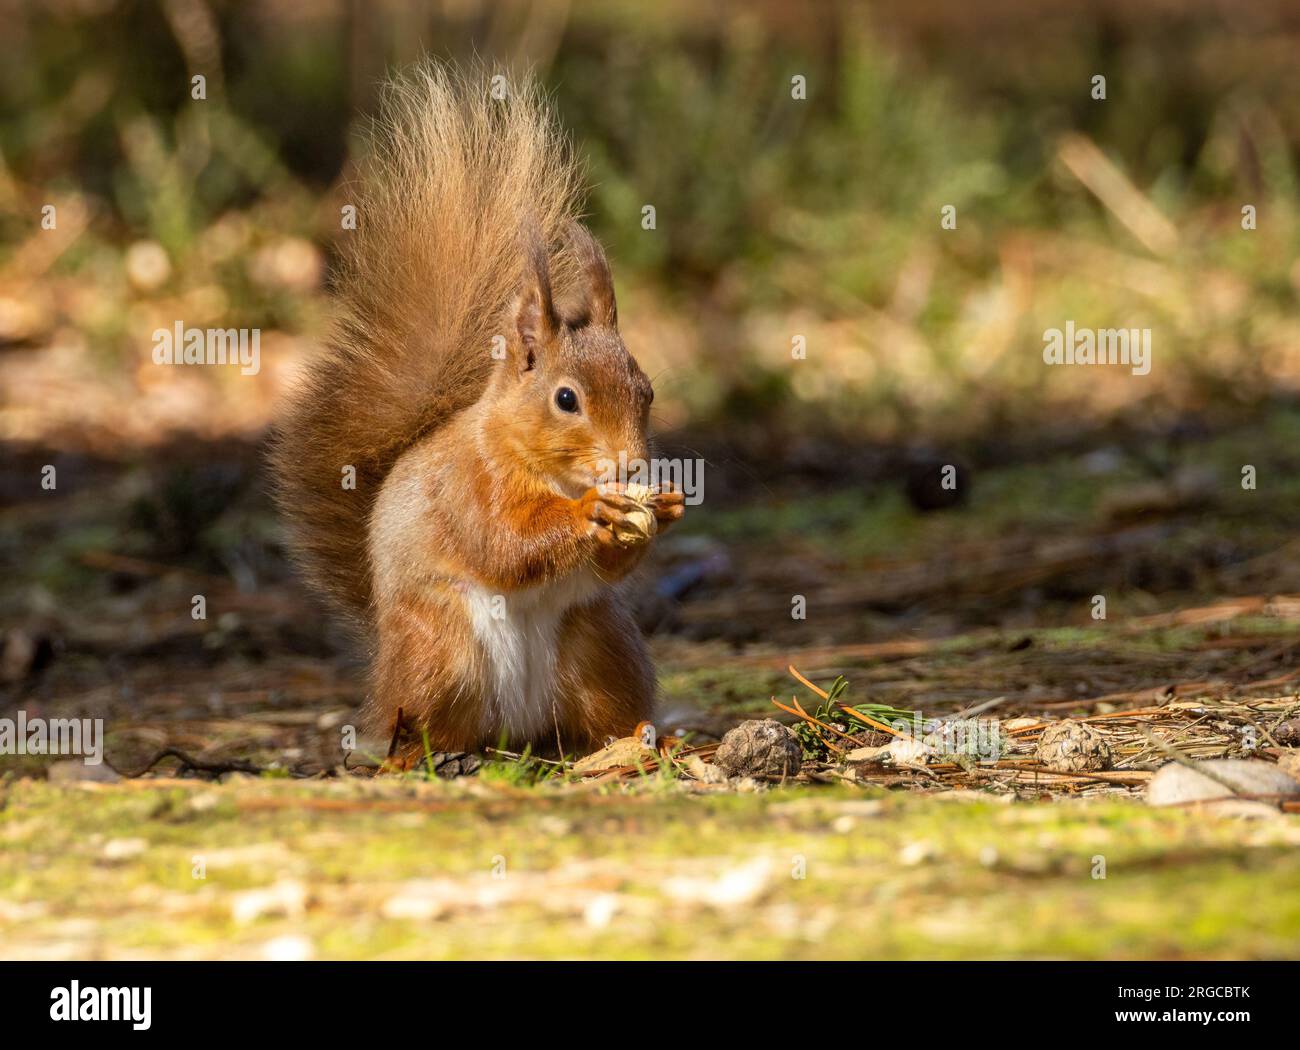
<point x="474" y="547"/>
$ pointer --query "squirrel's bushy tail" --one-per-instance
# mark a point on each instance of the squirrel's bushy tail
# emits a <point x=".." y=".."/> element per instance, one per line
<point x="454" y="176"/>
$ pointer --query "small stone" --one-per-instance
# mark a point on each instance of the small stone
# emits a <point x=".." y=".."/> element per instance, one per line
<point x="205" y="802"/>
<point x="74" y="770"/>
<point x="1289" y="763"/>
<point x="600" y="910"/>
<point x="419" y="901"/>
<point x="918" y="852"/>
<point x="550" y="824"/>
<point x="124" y="849"/>
<point x="735" y="887"/>
<point x="760" y="747"/>
<point x="1288" y="733"/>
<point x="1073" y="747"/>
<point x="287" y="897"/>
<point x="1176" y="783"/>
<point x="289" y="948"/>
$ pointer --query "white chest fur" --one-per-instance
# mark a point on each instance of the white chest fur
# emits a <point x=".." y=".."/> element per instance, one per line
<point x="519" y="633"/>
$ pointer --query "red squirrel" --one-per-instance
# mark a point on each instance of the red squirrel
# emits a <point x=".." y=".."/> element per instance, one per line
<point x="472" y="387"/>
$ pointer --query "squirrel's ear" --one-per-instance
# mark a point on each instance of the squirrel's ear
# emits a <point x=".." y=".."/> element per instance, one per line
<point x="535" y="318"/>
<point x="597" y="305"/>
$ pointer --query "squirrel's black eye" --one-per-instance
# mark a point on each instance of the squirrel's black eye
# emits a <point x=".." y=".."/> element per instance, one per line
<point x="566" y="400"/>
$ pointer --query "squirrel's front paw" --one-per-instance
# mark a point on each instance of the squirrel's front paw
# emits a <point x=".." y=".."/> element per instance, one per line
<point x="668" y="506"/>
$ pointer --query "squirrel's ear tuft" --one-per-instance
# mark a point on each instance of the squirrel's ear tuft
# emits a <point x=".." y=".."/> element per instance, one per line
<point x="597" y="305"/>
<point x="535" y="318"/>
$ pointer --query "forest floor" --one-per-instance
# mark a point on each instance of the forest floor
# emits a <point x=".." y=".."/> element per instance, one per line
<point x="256" y="842"/>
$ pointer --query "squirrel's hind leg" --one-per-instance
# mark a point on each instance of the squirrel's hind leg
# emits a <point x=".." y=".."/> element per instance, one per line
<point x="605" y="680"/>
<point x="425" y="681"/>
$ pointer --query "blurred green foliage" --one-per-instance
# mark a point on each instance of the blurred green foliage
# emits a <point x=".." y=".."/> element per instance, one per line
<point x="826" y="207"/>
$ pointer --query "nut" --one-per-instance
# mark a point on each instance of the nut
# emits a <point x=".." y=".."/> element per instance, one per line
<point x="640" y="524"/>
<point x="760" y="747"/>
<point x="1073" y="747"/>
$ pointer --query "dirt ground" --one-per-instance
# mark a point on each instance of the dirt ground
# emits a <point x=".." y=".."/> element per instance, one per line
<point x="262" y="838"/>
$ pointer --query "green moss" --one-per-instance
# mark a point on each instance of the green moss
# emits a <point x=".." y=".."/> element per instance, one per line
<point x="884" y="875"/>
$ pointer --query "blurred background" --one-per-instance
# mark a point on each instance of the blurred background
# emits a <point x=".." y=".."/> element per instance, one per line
<point x="776" y="218"/>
